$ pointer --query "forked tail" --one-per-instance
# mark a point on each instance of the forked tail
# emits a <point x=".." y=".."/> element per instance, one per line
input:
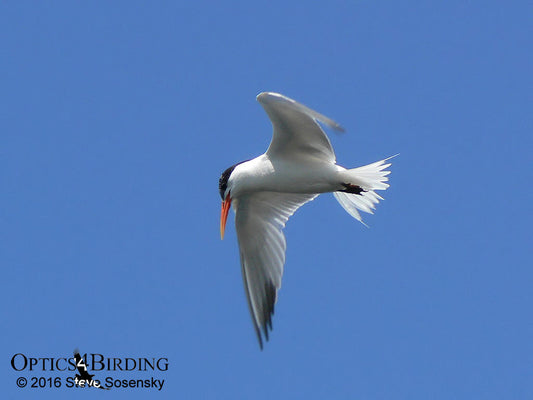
<point x="367" y="179"/>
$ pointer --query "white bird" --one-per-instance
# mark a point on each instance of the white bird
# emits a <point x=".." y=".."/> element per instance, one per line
<point x="298" y="165"/>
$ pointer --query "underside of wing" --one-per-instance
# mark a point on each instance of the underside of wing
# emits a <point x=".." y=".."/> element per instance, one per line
<point x="259" y="220"/>
<point x="297" y="134"/>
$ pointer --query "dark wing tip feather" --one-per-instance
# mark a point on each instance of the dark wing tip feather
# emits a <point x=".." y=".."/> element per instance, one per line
<point x="266" y="303"/>
<point x="268" y="307"/>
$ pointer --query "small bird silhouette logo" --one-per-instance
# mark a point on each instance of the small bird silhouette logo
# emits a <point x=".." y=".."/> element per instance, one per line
<point x="84" y="378"/>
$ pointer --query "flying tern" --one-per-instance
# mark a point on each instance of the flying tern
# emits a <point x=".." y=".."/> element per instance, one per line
<point x="264" y="192"/>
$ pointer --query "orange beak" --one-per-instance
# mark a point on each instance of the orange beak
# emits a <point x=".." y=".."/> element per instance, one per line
<point x="226" y="204"/>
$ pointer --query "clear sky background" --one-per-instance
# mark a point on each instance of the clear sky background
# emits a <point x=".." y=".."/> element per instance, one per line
<point x="116" y="120"/>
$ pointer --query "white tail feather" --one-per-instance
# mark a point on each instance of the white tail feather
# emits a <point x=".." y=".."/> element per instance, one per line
<point x="370" y="177"/>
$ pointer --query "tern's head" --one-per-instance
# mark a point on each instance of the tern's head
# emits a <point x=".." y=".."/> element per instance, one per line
<point x="223" y="182"/>
<point x="224" y="189"/>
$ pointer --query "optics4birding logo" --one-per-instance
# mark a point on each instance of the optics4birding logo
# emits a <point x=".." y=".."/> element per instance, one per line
<point x="88" y="371"/>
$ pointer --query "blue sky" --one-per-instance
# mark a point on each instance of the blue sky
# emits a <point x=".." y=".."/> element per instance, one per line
<point x="117" y="119"/>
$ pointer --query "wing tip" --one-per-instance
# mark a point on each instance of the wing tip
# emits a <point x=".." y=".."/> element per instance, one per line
<point x="264" y="326"/>
<point x="337" y="127"/>
<point x="265" y="97"/>
<point x="262" y="321"/>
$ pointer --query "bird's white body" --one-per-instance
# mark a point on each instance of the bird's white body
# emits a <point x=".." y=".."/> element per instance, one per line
<point x="285" y="176"/>
<point x="264" y="192"/>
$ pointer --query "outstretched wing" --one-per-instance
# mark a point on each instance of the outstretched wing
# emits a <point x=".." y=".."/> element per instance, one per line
<point x="259" y="220"/>
<point x="297" y="134"/>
